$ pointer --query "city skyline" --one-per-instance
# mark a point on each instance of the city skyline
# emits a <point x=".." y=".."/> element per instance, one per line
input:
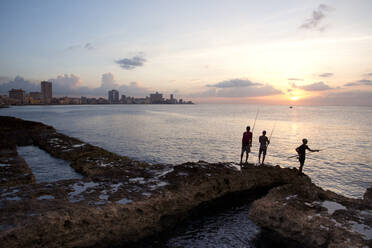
<point x="19" y="96"/>
<point x="287" y="52"/>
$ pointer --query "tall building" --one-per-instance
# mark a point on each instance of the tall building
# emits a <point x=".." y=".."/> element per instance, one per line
<point x="123" y="99"/>
<point x="156" y="98"/>
<point x="113" y="96"/>
<point x="17" y="94"/>
<point x="46" y="92"/>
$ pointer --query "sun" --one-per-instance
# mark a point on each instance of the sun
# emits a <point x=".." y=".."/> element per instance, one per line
<point x="294" y="98"/>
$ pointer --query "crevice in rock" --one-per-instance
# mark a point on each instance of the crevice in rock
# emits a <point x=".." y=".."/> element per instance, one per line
<point x="174" y="224"/>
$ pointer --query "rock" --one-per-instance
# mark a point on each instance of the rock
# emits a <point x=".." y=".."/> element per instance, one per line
<point x="368" y="196"/>
<point x="306" y="213"/>
<point x="13" y="169"/>
<point x="121" y="201"/>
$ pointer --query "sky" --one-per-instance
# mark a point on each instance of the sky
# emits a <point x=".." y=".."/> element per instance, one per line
<point x="272" y="52"/>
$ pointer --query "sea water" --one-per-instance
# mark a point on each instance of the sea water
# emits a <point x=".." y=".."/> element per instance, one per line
<point x="175" y="134"/>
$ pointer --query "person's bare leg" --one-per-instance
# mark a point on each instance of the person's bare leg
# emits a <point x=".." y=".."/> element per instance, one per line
<point x="259" y="157"/>
<point x="301" y="166"/>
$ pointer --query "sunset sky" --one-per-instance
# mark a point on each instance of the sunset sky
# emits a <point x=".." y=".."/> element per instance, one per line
<point x="275" y="52"/>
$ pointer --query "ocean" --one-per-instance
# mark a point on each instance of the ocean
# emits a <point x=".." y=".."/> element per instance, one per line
<point x="174" y="134"/>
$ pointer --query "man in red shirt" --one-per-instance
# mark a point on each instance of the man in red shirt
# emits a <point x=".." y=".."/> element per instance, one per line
<point x="246" y="144"/>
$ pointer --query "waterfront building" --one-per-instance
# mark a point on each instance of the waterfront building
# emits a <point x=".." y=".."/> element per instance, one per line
<point x="18" y="95"/>
<point x="83" y="100"/>
<point x="123" y="99"/>
<point x="172" y="100"/>
<point x="156" y="98"/>
<point x="102" y="101"/>
<point x="35" y="98"/>
<point x="113" y="96"/>
<point x="46" y="92"/>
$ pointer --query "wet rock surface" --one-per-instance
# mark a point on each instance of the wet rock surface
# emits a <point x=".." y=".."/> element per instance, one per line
<point x="13" y="168"/>
<point x="306" y="213"/>
<point x="121" y="201"/>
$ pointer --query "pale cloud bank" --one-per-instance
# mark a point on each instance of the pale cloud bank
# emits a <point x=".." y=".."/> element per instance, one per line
<point x="365" y="82"/>
<point x="356" y="98"/>
<point x="233" y="83"/>
<point x="295" y="79"/>
<point x="237" y="88"/>
<point x="17" y="83"/>
<point x="326" y="74"/>
<point x="319" y="86"/>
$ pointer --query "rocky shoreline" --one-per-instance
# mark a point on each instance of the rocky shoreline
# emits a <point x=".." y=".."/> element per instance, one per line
<point x="121" y="201"/>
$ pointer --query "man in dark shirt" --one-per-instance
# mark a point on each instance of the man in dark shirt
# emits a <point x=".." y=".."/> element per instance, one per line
<point x="301" y="150"/>
<point x="264" y="142"/>
<point x="246" y="144"/>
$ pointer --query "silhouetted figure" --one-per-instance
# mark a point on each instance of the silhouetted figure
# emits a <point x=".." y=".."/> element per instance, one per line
<point x="301" y="150"/>
<point x="264" y="142"/>
<point x="246" y="144"/>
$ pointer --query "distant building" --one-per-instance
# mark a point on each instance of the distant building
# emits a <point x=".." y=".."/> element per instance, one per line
<point x="35" y="95"/>
<point x="123" y="99"/>
<point x="156" y="98"/>
<point x="83" y="100"/>
<point x="18" y="95"/>
<point x="46" y="92"/>
<point x="113" y="96"/>
<point x="102" y="101"/>
<point x="172" y="99"/>
<point x="34" y="98"/>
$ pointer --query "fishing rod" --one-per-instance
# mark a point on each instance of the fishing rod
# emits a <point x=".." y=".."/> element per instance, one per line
<point x="272" y="130"/>
<point x="255" y="119"/>
<point x="298" y="155"/>
<point x="271" y="134"/>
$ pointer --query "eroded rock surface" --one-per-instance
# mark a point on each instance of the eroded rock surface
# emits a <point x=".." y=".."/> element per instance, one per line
<point x="121" y="201"/>
<point x="13" y="169"/>
<point x="306" y="213"/>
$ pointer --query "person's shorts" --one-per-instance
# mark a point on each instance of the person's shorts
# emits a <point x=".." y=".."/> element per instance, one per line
<point x="263" y="150"/>
<point x="246" y="148"/>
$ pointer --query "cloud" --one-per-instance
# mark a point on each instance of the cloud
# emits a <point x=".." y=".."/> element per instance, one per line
<point x="369" y="74"/>
<point x="4" y="79"/>
<point x="360" y="82"/>
<point x="66" y="84"/>
<point x="87" y="46"/>
<point x="237" y="88"/>
<point x="356" y="98"/>
<point x="295" y="79"/>
<point x="233" y="83"/>
<point x="18" y="83"/>
<point x="108" y="80"/>
<point x="131" y="63"/>
<point x="320" y="86"/>
<point x="72" y="85"/>
<point x="316" y="18"/>
<point x="326" y="74"/>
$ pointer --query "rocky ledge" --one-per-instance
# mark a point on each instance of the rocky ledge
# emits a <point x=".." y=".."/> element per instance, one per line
<point x="121" y="201"/>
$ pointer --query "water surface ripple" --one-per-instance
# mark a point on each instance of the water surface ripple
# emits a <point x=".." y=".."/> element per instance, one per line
<point x="175" y="134"/>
